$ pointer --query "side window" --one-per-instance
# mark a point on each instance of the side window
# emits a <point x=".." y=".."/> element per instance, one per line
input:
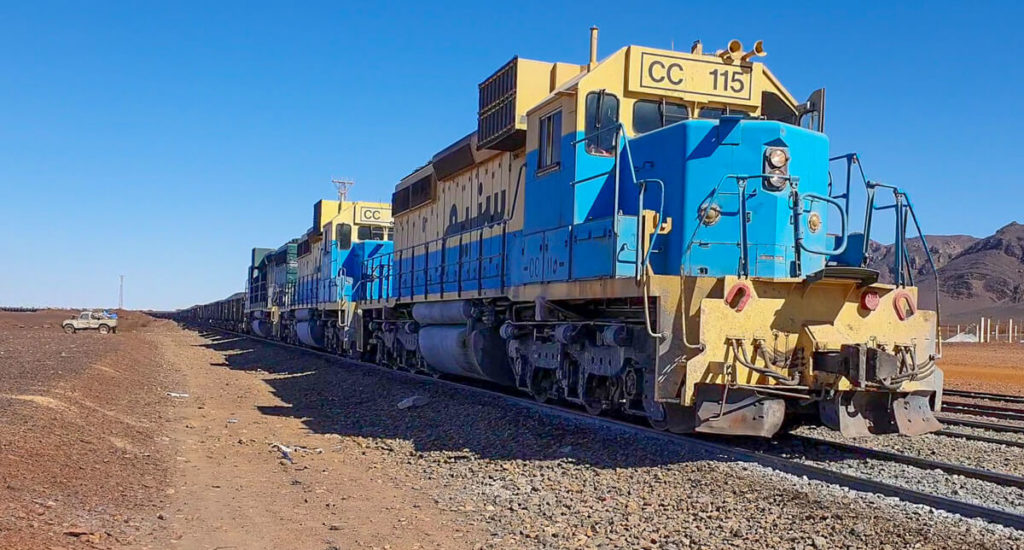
<point x="549" y="152"/>
<point x="343" y="234"/>
<point x="650" y="115"/>
<point x="602" y="114"/>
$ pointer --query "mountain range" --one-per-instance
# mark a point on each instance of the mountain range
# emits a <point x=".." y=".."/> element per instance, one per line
<point x="977" y="276"/>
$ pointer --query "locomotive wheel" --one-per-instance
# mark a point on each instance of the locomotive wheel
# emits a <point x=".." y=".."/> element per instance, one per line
<point x="597" y="391"/>
<point x="543" y="387"/>
<point x="677" y="419"/>
<point x="593" y="407"/>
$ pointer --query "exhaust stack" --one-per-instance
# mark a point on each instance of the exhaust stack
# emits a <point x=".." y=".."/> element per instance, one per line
<point x="593" y="48"/>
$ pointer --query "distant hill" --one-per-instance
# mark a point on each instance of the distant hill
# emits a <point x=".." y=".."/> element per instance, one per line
<point x="977" y="276"/>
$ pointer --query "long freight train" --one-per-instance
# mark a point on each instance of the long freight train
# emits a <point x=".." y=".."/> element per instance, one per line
<point x="659" y="233"/>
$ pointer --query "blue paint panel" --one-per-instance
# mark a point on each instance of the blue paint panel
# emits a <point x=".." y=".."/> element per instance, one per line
<point x="451" y="269"/>
<point x="625" y="249"/>
<point x="556" y="254"/>
<point x="435" y="270"/>
<point x="531" y="259"/>
<point x="693" y="158"/>
<point x="593" y="246"/>
<point x="594" y="198"/>
<point x="549" y="196"/>
<point x="513" y="258"/>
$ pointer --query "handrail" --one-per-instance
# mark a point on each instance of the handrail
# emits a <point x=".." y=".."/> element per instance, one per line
<point x="641" y="267"/>
<point x="371" y="264"/>
<point x="616" y="127"/>
<point x="798" y="212"/>
<point x="904" y="211"/>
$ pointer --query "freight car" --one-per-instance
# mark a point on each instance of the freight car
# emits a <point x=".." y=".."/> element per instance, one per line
<point x="226" y="314"/>
<point x="655" y="234"/>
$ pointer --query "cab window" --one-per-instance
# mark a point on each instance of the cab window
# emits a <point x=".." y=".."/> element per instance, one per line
<point x="601" y="117"/>
<point x="719" y="112"/>
<point x="373" y="233"/>
<point x="650" y="115"/>
<point x="549" y="152"/>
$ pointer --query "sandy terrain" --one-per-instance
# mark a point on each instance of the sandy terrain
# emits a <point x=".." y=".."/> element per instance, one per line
<point x="94" y="452"/>
<point x="995" y="368"/>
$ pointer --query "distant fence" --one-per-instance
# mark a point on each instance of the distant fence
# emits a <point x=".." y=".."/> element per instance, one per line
<point x="986" y="330"/>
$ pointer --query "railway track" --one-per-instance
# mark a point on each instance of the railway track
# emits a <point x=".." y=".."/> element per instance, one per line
<point x="981" y="409"/>
<point x="736" y="452"/>
<point x="917" y="462"/>
<point x="993" y="426"/>
<point x="981" y="438"/>
<point x="984" y="395"/>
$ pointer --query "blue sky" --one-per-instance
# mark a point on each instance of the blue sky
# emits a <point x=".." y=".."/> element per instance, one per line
<point x="195" y="131"/>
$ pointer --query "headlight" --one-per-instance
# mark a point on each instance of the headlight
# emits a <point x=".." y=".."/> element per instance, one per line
<point x="710" y="215"/>
<point x="776" y="166"/>
<point x="776" y="183"/>
<point x="777" y="158"/>
<point x="814" y="222"/>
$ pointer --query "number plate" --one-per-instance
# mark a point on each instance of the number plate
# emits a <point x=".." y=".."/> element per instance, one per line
<point x="372" y="215"/>
<point x="680" y="75"/>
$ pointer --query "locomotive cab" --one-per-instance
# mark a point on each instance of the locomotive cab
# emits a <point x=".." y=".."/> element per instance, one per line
<point x="703" y="174"/>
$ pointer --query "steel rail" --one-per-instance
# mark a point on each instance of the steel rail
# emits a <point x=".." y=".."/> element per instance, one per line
<point x="992" y="411"/>
<point x="785" y="465"/>
<point x="990" y="476"/>
<point x="984" y="406"/>
<point x="994" y="426"/>
<point x="982" y="438"/>
<point x="984" y="395"/>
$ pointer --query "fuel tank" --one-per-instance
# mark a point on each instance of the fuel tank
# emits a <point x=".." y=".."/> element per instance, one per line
<point x="454" y="349"/>
<point x="443" y="313"/>
<point x="310" y="333"/>
<point x="261" y="328"/>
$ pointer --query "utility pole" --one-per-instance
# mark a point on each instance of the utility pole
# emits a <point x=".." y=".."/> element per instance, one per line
<point x="342" y="185"/>
<point x="120" y="294"/>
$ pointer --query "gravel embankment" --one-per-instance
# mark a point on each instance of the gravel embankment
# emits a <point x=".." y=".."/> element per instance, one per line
<point x="538" y="481"/>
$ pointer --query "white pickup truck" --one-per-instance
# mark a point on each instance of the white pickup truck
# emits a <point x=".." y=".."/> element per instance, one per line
<point x="90" y="320"/>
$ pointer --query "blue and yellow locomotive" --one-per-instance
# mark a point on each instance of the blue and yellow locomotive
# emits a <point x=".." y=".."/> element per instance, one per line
<point x="655" y="234"/>
<point x="302" y="293"/>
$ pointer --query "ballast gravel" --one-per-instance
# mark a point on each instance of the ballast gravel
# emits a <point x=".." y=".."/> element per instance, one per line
<point x="536" y="480"/>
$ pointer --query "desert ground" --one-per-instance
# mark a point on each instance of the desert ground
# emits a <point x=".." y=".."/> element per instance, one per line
<point x="997" y="368"/>
<point x="159" y="437"/>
